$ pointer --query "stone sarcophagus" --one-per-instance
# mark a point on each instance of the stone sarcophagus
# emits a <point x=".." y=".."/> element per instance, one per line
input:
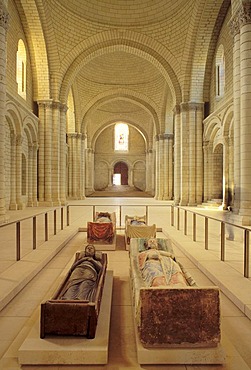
<point x="170" y="310"/>
<point x="136" y="227"/>
<point x="102" y="229"/>
<point x="74" y="308"/>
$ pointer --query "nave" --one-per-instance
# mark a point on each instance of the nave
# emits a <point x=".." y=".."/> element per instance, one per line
<point x="17" y="317"/>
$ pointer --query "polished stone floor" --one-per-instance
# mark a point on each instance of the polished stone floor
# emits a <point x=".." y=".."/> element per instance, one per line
<point x="24" y="284"/>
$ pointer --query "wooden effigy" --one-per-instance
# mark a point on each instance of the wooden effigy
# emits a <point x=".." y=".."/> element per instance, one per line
<point x="136" y="227"/>
<point x="77" y="317"/>
<point x="103" y="229"/>
<point x="173" y="316"/>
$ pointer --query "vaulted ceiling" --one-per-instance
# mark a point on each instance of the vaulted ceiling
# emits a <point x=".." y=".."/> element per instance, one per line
<point x="124" y="59"/>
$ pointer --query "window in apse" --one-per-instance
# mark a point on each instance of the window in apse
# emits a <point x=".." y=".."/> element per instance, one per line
<point x="220" y="72"/>
<point x="21" y="69"/>
<point x="121" y="136"/>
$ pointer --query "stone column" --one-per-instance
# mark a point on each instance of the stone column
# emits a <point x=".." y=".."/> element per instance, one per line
<point x="45" y="153"/>
<point x="30" y="175"/>
<point x="161" y="166"/>
<point x="206" y="170"/>
<point x="168" y="166"/>
<point x="157" y="168"/>
<point x="177" y="152"/>
<point x="55" y="153"/>
<point x="199" y="114"/>
<point x="235" y="30"/>
<point x="210" y="177"/>
<point x="225" y="184"/>
<point x="13" y="200"/>
<point x="78" y="165"/>
<point x="19" y="172"/>
<point x="149" y="171"/>
<point x="245" y="113"/>
<point x="89" y="171"/>
<point x="83" y="167"/>
<point x="110" y="176"/>
<point x="34" y="173"/>
<point x="191" y="162"/>
<point x="62" y="169"/>
<point x="74" y="165"/>
<point x="70" y="160"/>
<point x="3" y="33"/>
<point x="171" y="165"/>
<point x="184" y="154"/>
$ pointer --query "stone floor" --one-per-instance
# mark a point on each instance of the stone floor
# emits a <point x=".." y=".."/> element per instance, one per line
<point x="121" y="191"/>
<point x="24" y="284"/>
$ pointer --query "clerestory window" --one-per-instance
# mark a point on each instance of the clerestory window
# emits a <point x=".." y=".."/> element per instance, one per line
<point x="121" y="136"/>
<point x="220" y="72"/>
<point x="21" y="69"/>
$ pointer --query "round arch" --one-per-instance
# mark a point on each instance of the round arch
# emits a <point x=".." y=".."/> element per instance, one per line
<point x="107" y="124"/>
<point x="150" y="50"/>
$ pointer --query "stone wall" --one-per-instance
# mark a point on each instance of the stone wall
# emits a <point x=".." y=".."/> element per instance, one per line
<point x="105" y="158"/>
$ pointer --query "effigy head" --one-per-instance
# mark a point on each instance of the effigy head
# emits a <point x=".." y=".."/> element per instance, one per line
<point x="90" y="250"/>
<point x="152" y="243"/>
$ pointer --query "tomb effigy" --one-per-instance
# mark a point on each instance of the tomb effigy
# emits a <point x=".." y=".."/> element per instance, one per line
<point x="136" y="227"/>
<point x="74" y="308"/>
<point x="170" y="310"/>
<point x="102" y="231"/>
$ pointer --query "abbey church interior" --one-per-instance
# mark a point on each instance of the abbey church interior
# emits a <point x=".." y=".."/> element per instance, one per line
<point x="131" y="107"/>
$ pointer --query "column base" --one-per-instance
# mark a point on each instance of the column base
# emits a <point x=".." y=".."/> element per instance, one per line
<point x="21" y="206"/>
<point x="45" y="203"/>
<point x="4" y="219"/>
<point x="64" y="202"/>
<point x="13" y="207"/>
<point x="246" y="220"/>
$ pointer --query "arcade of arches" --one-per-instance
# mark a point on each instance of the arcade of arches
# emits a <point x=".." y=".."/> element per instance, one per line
<point x="177" y="73"/>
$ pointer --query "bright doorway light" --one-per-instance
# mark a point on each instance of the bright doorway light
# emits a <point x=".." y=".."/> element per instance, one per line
<point x="117" y="179"/>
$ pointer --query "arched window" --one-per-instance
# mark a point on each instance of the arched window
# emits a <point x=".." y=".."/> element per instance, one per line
<point x="121" y="136"/>
<point x="70" y="116"/>
<point x="21" y="69"/>
<point x="220" y="72"/>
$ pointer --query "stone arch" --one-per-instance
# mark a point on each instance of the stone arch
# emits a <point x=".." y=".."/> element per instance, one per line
<point x="227" y="121"/>
<point x="218" y="171"/>
<point x="110" y="123"/>
<point x="14" y="117"/>
<point x="132" y="42"/>
<point x="121" y="168"/>
<point x="142" y="101"/>
<point x="31" y="128"/>
<point x="201" y="51"/>
<point x="32" y="22"/>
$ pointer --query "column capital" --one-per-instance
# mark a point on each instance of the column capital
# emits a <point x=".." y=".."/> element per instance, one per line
<point x="72" y="135"/>
<point x="245" y="13"/>
<point x="46" y="104"/>
<point x="234" y="25"/>
<point x="63" y="108"/>
<point x="4" y="16"/>
<point x="191" y="106"/>
<point x="240" y="18"/>
<point x="13" y="138"/>
<point x="176" y="109"/>
<point x="168" y="136"/>
<point x="19" y="140"/>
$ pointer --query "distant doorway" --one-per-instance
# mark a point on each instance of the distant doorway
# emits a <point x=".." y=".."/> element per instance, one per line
<point x="121" y="169"/>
